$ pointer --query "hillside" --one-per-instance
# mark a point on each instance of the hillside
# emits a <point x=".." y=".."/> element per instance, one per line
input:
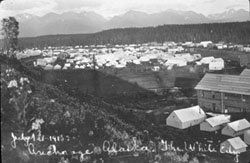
<point x="31" y="107"/>
<point x="85" y="122"/>
<point x="238" y="32"/>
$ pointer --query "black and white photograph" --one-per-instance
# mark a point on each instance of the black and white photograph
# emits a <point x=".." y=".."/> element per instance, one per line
<point x="125" y="81"/>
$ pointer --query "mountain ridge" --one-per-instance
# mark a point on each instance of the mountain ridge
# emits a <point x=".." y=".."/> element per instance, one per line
<point x="91" y="22"/>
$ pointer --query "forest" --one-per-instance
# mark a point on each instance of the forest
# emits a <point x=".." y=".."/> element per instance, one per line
<point x="236" y="32"/>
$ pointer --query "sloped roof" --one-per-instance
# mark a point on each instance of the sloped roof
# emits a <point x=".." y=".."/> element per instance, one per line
<point x="189" y="114"/>
<point x="237" y="143"/>
<point x="217" y="120"/>
<point x="238" y="84"/>
<point x="239" y="125"/>
<point x="245" y="72"/>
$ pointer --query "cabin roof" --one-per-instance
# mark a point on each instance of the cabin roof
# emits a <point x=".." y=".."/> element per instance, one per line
<point x="239" y="125"/>
<point x="238" y="84"/>
<point x="217" y="120"/>
<point x="245" y="72"/>
<point x="237" y="143"/>
<point x="189" y="114"/>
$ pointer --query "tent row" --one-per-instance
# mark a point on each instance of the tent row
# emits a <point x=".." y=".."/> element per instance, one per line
<point x="189" y="117"/>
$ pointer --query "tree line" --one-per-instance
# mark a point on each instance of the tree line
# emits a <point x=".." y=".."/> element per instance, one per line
<point x="236" y="32"/>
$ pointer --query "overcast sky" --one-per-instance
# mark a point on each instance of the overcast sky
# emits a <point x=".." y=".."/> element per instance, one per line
<point x="109" y="8"/>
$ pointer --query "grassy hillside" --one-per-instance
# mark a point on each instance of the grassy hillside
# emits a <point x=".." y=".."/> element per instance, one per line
<point x="87" y="121"/>
<point x="25" y="100"/>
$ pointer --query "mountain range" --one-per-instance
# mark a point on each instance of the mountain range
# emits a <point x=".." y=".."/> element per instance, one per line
<point x="90" y="22"/>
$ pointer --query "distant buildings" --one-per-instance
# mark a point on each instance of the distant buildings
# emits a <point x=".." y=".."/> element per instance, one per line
<point x="205" y="43"/>
<point x="224" y="93"/>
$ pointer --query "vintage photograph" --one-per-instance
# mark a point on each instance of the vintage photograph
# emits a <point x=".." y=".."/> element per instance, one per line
<point x="125" y="81"/>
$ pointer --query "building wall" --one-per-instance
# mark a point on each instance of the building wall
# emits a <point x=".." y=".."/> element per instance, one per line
<point x="236" y="103"/>
<point x="219" y="102"/>
<point x="247" y="137"/>
<point x="204" y="126"/>
<point x="227" y="146"/>
<point x="173" y="121"/>
<point x="209" y="101"/>
<point x="227" y="131"/>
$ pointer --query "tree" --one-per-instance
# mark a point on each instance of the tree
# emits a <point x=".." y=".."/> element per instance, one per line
<point x="10" y="31"/>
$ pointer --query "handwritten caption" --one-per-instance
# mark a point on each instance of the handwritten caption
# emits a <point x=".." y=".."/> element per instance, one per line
<point x="112" y="148"/>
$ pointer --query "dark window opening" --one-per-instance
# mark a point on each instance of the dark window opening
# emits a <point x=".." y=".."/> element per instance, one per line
<point x="213" y="107"/>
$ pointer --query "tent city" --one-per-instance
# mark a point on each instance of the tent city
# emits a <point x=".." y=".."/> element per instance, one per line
<point x="107" y="81"/>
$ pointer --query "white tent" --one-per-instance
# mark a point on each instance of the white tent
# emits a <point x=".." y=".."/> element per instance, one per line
<point x="41" y="62"/>
<point x="214" y="123"/>
<point x="137" y="61"/>
<point x="48" y="67"/>
<point x="184" y="118"/>
<point x="176" y="61"/>
<point x="247" y="137"/>
<point x="57" y="67"/>
<point x="185" y="56"/>
<point x="216" y="64"/>
<point x="234" y="145"/>
<point x="50" y="60"/>
<point x="197" y="56"/>
<point x="236" y="128"/>
<point x="205" y="43"/>
<point x="206" y="60"/>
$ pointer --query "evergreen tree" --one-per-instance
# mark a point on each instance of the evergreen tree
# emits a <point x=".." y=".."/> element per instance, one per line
<point x="10" y="31"/>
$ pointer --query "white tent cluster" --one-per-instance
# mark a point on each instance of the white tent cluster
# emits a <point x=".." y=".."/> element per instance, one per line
<point x="189" y="117"/>
<point x="213" y="63"/>
<point x="119" y="56"/>
<point x="28" y="53"/>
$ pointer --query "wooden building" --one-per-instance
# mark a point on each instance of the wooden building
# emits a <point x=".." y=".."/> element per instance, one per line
<point x="224" y="93"/>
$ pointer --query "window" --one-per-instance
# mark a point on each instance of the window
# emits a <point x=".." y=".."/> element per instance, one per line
<point x="202" y="93"/>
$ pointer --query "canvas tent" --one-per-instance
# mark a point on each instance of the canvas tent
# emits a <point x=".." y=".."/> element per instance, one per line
<point x="206" y="60"/>
<point x="184" y="118"/>
<point x="41" y="62"/>
<point x="214" y="123"/>
<point x="216" y="64"/>
<point x="236" y="128"/>
<point x="48" y="67"/>
<point x="176" y="61"/>
<point x="57" y="67"/>
<point x="247" y="137"/>
<point x="234" y="144"/>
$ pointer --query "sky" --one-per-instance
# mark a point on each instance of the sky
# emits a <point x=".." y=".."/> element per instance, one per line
<point x="110" y="8"/>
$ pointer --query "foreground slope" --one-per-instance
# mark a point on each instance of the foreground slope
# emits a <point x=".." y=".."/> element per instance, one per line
<point x="26" y="101"/>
